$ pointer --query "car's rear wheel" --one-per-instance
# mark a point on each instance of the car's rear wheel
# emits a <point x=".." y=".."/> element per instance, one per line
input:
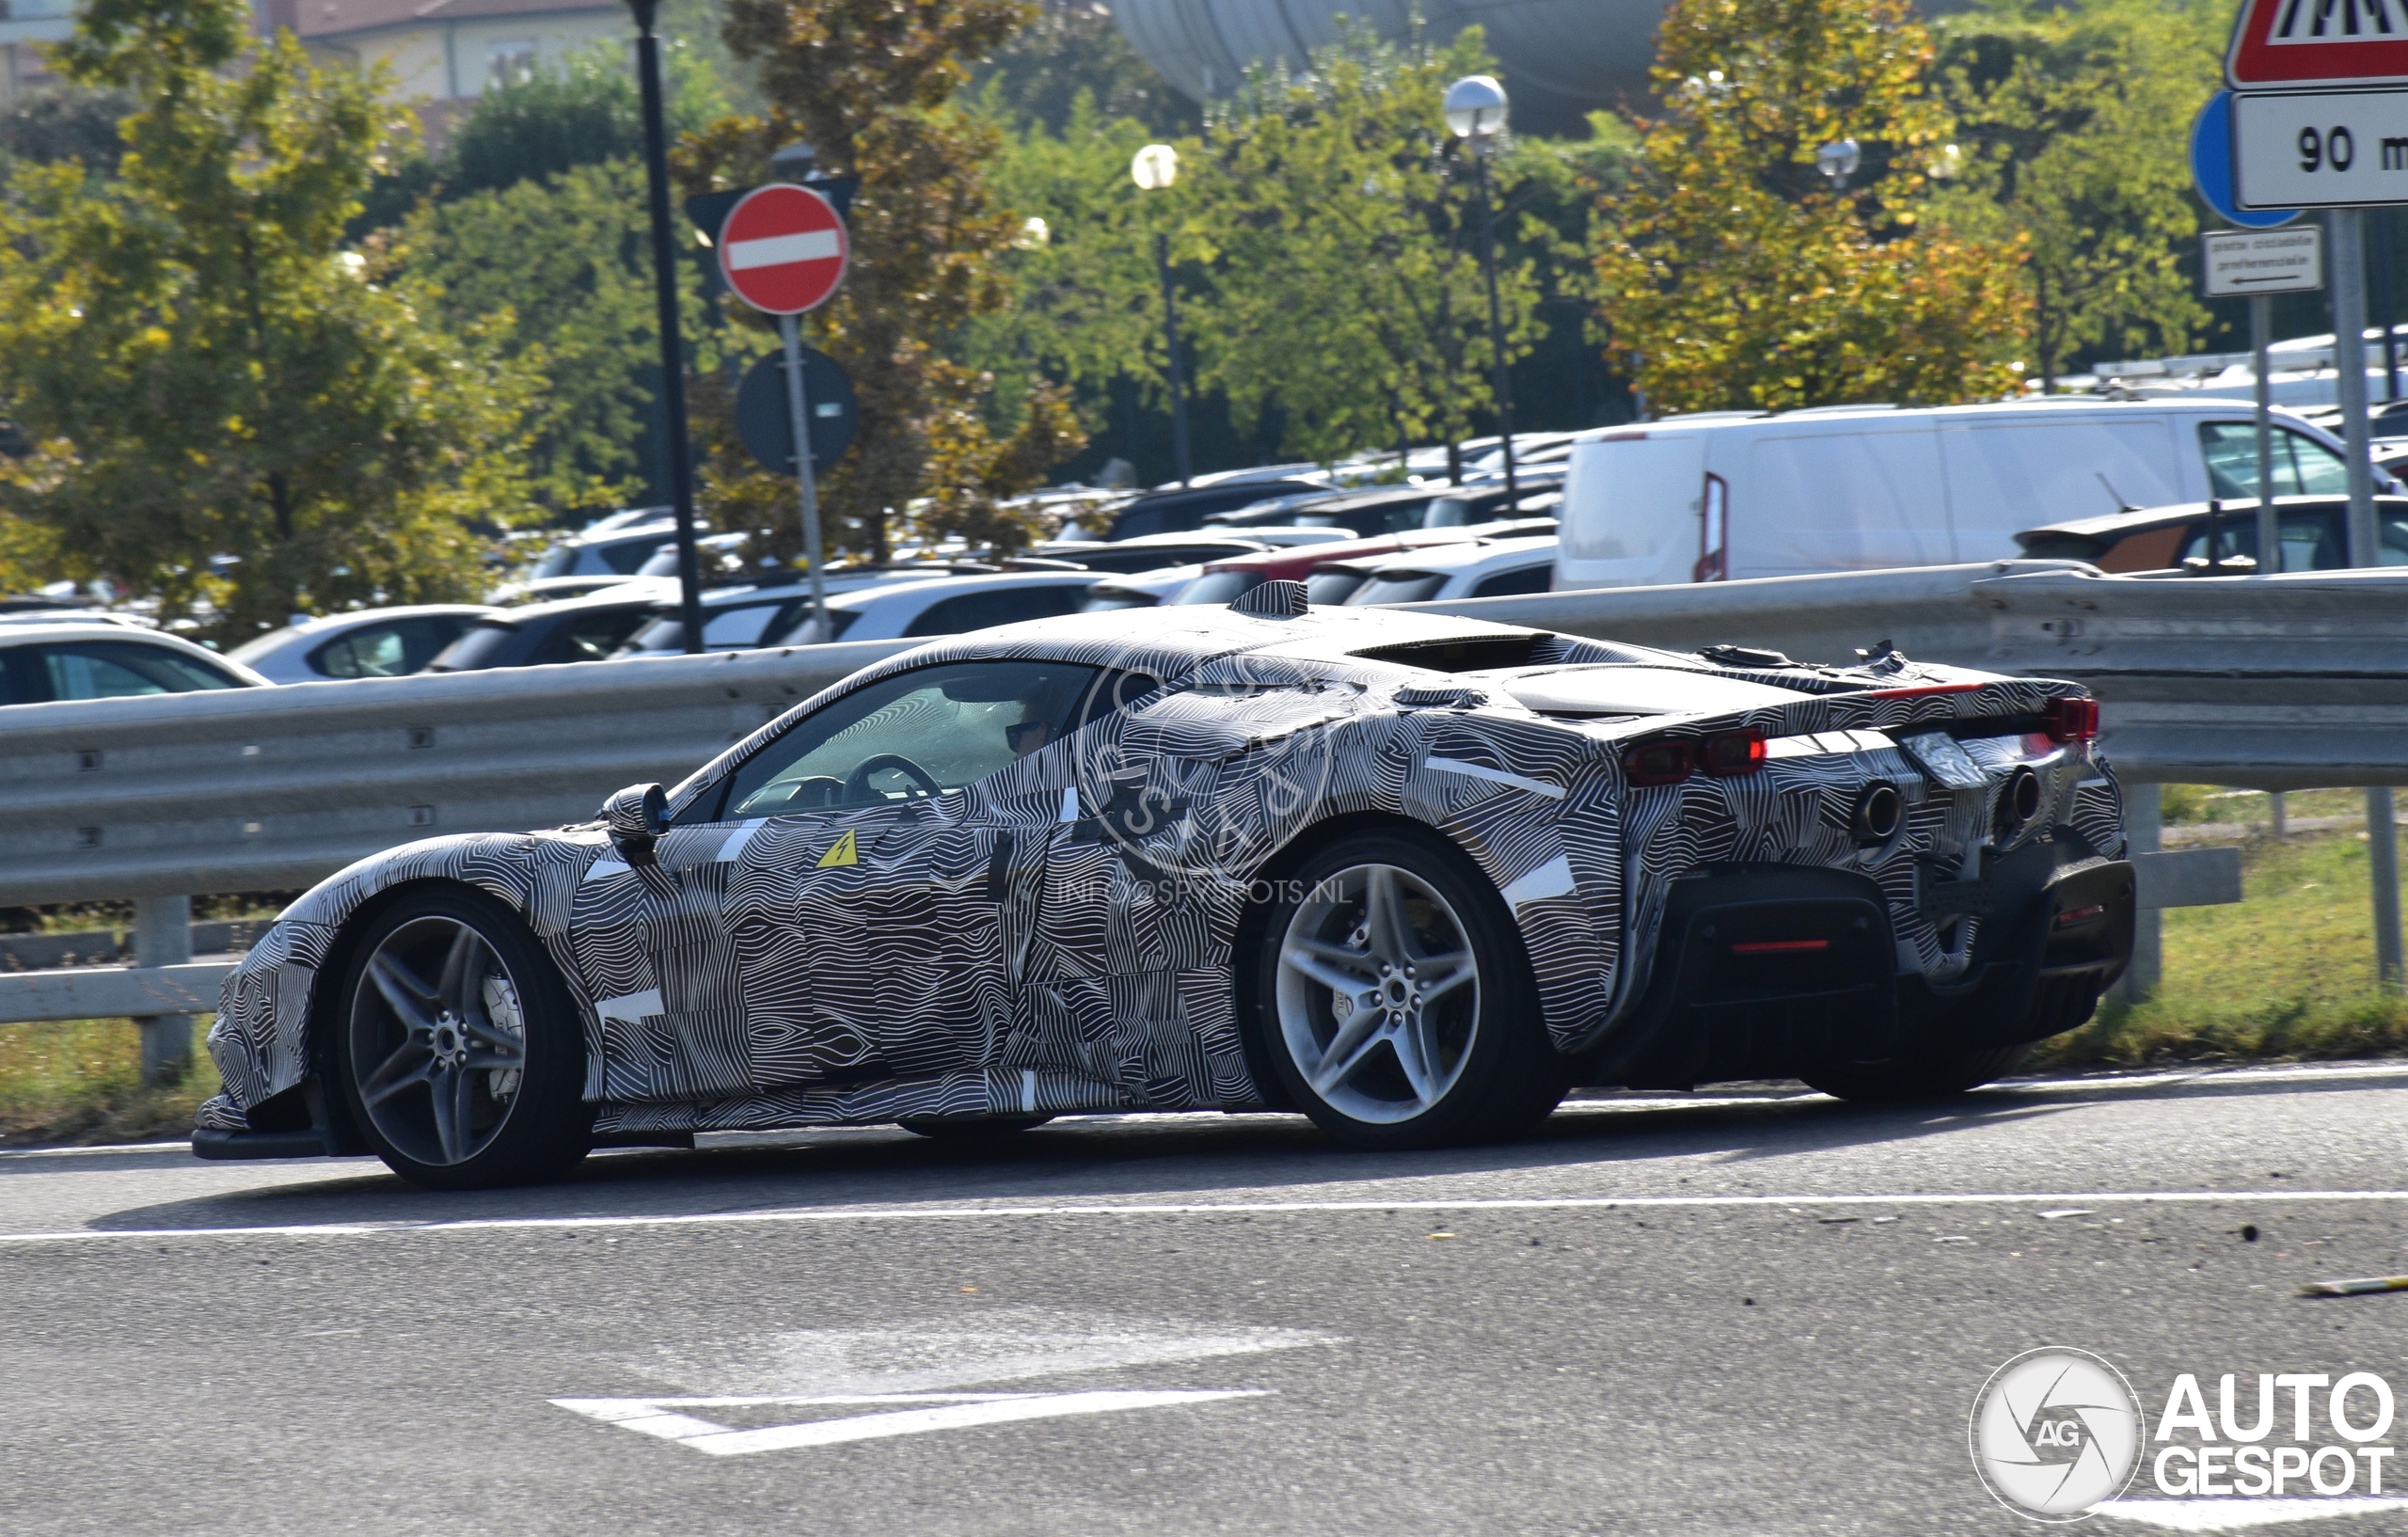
<point x="1916" y="1078"/>
<point x="1395" y="999"/>
<point x="459" y="1049"/>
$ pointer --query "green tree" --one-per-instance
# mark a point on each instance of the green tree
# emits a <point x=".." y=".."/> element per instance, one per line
<point x="1733" y="273"/>
<point x="223" y="409"/>
<point x="870" y="86"/>
<point x="2075" y="120"/>
<point x="562" y="266"/>
<point x="1338" y="200"/>
<point x="1074" y="49"/>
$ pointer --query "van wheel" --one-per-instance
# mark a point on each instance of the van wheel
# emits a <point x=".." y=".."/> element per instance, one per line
<point x="1916" y="1078"/>
<point x="458" y="1050"/>
<point x="1395" y="1001"/>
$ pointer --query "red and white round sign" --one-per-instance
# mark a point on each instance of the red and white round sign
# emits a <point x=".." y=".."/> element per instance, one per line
<point x="782" y="248"/>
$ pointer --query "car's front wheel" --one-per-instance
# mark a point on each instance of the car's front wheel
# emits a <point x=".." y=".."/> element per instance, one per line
<point x="1395" y="1001"/>
<point x="459" y="1049"/>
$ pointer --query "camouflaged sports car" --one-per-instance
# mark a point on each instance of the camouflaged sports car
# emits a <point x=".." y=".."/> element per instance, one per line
<point x="1414" y="875"/>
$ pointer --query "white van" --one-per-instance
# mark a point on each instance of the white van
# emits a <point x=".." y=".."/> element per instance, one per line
<point x="1729" y="494"/>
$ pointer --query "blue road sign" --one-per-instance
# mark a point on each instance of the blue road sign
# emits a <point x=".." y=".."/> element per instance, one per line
<point x="2211" y="167"/>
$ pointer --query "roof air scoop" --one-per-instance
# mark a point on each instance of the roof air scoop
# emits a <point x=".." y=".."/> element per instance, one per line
<point x="1273" y="599"/>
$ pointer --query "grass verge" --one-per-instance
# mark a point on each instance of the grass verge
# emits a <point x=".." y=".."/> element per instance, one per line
<point x="2286" y="974"/>
<point x="80" y="1081"/>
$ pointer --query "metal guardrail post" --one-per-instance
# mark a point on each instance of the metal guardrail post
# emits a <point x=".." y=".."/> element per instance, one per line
<point x="2140" y="836"/>
<point x="163" y="937"/>
<point x="2382" y="868"/>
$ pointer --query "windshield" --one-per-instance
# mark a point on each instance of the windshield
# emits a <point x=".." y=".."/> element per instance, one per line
<point x="1331" y="586"/>
<point x="1218" y="587"/>
<point x="480" y="647"/>
<point x="1398" y="586"/>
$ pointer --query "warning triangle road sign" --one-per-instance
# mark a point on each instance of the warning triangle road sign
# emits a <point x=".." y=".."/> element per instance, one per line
<point x="2294" y="45"/>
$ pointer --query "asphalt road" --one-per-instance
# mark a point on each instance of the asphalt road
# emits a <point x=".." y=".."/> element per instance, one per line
<point x="1748" y="1313"/>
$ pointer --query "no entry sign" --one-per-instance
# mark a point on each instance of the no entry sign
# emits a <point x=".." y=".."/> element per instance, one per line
<point x="782" y="248"/>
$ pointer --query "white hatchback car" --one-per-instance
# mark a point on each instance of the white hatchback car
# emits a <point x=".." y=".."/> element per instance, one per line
<point x="950" y="604"/>
<point x="1475" y="568"/>
<point x="369" y="643"/>
<point x="84" y="659"/>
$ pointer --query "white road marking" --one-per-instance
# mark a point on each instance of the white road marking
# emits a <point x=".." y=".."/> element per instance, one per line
<point x="1207" y="1209"/>
<point x="953" y="1411"/>
<point x="779" y="250"/>
<point x="2238" y="1514"/>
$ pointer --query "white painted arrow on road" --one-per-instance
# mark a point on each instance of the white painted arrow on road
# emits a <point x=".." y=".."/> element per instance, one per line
<point x="944" y="1412"/>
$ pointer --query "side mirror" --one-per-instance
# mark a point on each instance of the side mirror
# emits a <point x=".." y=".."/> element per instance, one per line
<point x="637" y="816"/>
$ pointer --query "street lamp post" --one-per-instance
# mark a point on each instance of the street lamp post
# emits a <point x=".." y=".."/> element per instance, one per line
<point x="1475" y="109"/>
<point x="673" y="351"/>
<point x="1155" y="167"/>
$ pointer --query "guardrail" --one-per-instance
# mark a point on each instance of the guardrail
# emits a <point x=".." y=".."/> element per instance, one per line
<point x="2283" y="682"/>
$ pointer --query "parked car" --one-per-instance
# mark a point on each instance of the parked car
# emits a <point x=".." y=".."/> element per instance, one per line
<point x="514" y="594"/>
<point x="1139" y="590"/>
<point x="1323" y="569"/>
<point x="42" y="663"/>
<point x="1474" y="568"/>
<point x="368" y="644"/>
<point x="949" y="606"/>
<point x="1394" y="509"/>
<point x="1743" y="494"/>
<point x="1152" y="552"/>
<point x="611" y="547"/>
<point x="741" y="618"/>
<point x="718" y="558"/>
<point x="1180" y="510"/>
<point x="1396" y="893"/>
<point x="2314" y="530"/>
<point x="577" y="630"/>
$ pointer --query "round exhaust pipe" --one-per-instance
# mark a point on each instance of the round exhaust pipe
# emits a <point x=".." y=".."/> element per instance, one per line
<point x="2018" y="801"/>
<point x="1879" y="810"/>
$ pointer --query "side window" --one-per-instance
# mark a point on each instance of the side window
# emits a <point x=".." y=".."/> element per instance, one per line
<point x="1530" y="579"/>
<point x="387" y="651"/>
<point x="590" y="637"/>
<point x="914" y="735"/>
<point x="741" y="626"/>
<point x="2391" y="536"/>
<point x="123" y="669"/>
<point x="1000" y="606"/>
<point x="2302" y="466"/>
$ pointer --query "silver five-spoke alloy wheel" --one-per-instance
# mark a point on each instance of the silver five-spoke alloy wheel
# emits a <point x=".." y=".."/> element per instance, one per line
<point x="1378" y="993"/>
<point x="438" y="1041"/>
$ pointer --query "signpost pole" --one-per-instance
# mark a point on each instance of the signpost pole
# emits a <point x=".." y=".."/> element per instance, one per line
<point x="798" y="408"/>
<point x="2349" y="364"/>
<point x="2261" y="335"/>
<point x="673" y="351"/>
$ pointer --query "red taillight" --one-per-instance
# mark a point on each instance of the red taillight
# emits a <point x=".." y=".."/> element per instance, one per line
<point x="1659" y="760"/>
<point x="1769" y="947"/>
<point x="1732" y="752"/>
<point x="2072" y="719"/>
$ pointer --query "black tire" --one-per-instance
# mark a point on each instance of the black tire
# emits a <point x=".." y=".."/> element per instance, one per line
<point x="1916" y="1078"/>
<point x="447" y="1112"/>
<point x="970" y="1131"/>
<point x="1456" y="1069"/>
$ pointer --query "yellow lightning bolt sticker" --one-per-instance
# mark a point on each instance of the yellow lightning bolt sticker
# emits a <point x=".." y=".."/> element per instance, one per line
<point x="843" y="852"/>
